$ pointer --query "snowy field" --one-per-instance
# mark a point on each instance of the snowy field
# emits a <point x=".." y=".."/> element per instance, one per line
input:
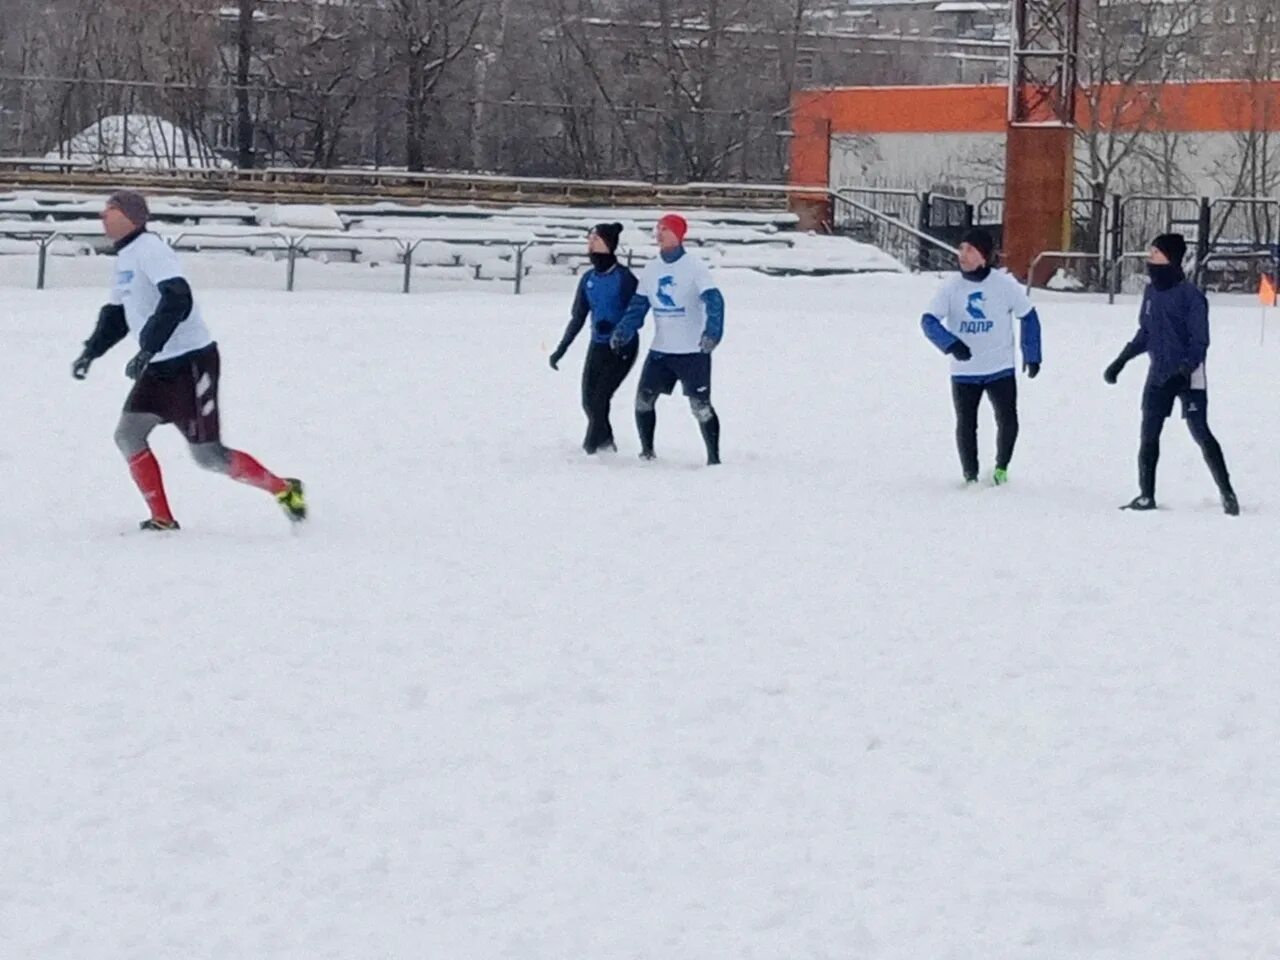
<point x="500" y="700"/>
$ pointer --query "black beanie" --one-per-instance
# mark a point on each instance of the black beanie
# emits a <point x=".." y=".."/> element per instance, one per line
<point x="981" y="241"/>
<point x="609" y="233"/>
<point x="1173" y="246"/>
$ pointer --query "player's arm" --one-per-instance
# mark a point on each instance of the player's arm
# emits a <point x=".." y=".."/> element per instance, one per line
<point x="936" y="330"/>
<point x="577" y="319"/>
<point x="176" y="300"/>
<point x="632" y="317"/>
<point x="1134" y="348"/>
<point x="1197" y="329"/>
<point x="111" y="328"/>
<point x="713" y="307"/>
<point x="1029" y="322"/>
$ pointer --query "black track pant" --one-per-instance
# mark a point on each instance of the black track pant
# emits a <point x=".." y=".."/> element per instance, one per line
<point x="601" y="377"/>
<point x="1003" y="394"/>
<point x="1157" y="405"/>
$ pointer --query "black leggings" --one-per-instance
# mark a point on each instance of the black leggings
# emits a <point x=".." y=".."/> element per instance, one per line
<point x="1003" y="394"/>
<point x="601" y="376"/>
<point x="1157" y="405"/>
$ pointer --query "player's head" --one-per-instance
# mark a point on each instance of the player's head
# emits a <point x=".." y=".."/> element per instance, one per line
<point x="671" y="231"/>
<point x="976" y="249"/>
<point x="604" y="238"/>
<point x="1168" y="248"/>
<point x="125" y="212"/>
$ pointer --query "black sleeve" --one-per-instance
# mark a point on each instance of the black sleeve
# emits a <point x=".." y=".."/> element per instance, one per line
<point x="577" y="316"/>
<point x="110" y="330"/>
<point x="174" y="307"/>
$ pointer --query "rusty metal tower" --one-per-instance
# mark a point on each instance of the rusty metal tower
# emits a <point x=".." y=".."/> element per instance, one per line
<point x="1044" y="45"/>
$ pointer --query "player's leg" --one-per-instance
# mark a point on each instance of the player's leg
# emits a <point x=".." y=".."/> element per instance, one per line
<point x="131" y="437"/>
<point x="617" y="367"/>
<point x="593" y="380"/>
<point x="203" y="429"/>
<point x="966" y="397"/>
<point x="656" y="378"/>
<point x="1195" y="409"/>
<point x="1157" y="404"/>
<point x="1004" y="400"/>
<point x="695" y="374"/>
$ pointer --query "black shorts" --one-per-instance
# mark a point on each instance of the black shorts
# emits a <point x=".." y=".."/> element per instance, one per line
<point x="182" y="391"/>
<point x="662" y="371"/>
<point x="1158" y="399"/>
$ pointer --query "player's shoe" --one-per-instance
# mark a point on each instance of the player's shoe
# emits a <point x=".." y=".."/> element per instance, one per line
<point x="648" y="455"/>
<point x="1230" y="505"/>
<point x="293" y="500"/>
<point x="159" y="526"/>
<point x="1140" y="503"/>
<point x="1000" y="476"/>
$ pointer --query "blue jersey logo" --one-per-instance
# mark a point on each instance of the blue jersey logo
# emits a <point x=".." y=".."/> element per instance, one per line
<point x="124" y="276"/>
<point x="979" y="322"/>
<point x="665" y="284"/>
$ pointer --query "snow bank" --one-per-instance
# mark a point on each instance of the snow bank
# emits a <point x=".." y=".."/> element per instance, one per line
<point x="138" y="142"/>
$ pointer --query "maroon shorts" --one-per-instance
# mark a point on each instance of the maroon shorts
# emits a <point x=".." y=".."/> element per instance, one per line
<point x="182" y="391"/>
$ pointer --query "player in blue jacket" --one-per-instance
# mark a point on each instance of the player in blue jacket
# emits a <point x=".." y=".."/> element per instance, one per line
<point x="971" y="319"/>
<point x="1173" y="330"/>
<point x="688" y="319"/>
<point x="603" y="293"/>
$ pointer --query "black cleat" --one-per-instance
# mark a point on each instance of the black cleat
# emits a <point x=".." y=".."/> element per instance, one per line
<point x="648" y="455"/>
<point x="159" y="526"/>
<point x="1140" y="503"/>
<point x="1230" y="505"/>
<point x="293" y="501"/>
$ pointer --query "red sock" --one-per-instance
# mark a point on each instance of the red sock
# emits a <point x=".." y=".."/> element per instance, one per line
<point x="245" y="469"/>
<point x="146" y="474"/>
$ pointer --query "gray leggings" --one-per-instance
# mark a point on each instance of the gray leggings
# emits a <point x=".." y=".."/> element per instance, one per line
<point x="134" y="428"/>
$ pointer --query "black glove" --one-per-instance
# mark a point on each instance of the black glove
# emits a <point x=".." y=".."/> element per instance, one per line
<point x="960" y="350"/>
<point x="1112" y="373"/>
<point x="1032" y="370"/>
<point x="1184" y="372"/>
<point x="556" y="357"/>
<point x="707" y="344"/>
<point x="80" y="369"/>
<point x="133" y="369"/>
<point x="618" y="341"/>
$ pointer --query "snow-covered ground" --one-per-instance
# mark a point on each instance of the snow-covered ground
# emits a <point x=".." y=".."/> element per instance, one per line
<point x="500" y="700"/>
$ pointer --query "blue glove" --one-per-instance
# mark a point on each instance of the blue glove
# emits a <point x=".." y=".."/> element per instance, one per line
<point x="618" y="341"/>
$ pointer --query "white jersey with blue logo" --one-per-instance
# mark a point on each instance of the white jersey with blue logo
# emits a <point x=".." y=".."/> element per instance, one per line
<point x="674" y="292"/>
<point x="982" y="314"/>
<point x="141" y="265"/>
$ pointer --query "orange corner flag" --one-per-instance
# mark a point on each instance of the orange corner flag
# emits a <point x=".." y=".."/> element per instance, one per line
<point x="1267" y="291"/>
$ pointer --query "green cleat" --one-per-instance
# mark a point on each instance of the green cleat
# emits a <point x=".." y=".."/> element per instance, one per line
<point x="1000" y="477"/>
<point x="293" y="501"/>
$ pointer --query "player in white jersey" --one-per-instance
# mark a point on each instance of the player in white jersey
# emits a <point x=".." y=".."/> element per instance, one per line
<point x="688" y="319"/>
<point x="176" y="368"/>
<point x="972" y="318"/>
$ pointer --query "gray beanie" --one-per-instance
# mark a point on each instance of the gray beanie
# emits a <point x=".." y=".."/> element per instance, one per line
<point x="132" y="204"/>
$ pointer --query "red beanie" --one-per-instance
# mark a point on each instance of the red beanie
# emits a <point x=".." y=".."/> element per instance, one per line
<point x="676" y="224"/>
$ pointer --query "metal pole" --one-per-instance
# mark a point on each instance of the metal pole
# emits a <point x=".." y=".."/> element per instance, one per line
<point x="42" y="261"/>
<point x="408" y="265"/>
<point x="293" y="260"/>
<point x="520" y="247"/>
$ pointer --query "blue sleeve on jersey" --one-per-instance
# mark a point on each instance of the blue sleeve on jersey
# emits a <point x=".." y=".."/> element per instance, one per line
<point x="633" y="319"/>
<point x="938" y="335"/>
<point x="1031" y="337"/>
<point x="715" y="314"/>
